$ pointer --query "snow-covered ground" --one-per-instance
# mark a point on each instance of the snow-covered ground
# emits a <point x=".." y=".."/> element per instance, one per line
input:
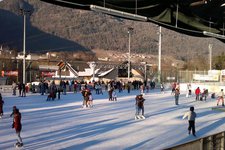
<point x="63" y="124"/>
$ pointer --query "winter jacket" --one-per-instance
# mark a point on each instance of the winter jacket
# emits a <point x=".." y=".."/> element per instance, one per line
<point x="140" y="101"/>
<point x="197" y="91"/>
<point x="1" y="106"/>
<point x="177" y="92"/>
<point x="17" y="122"/>
<point x="221" y="94"/>
<point x="14" y="86"/>
<point x="191" y="115"/>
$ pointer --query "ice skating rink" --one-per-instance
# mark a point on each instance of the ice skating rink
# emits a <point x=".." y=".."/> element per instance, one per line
<point x="63" y="124"/>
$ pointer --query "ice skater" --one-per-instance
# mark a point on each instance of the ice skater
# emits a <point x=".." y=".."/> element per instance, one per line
<point x="191" y="119"/>
<point x="13" y="111"/>
<point x="59" y="92"/>
<point x="173" y="88"/>
<point x="90" y="100"/>
<point x="162" y="88"/>
<point x="139" y="107"/>
<point x="18" y="127"/>
<point x="114" y="95"/>
<point x="176" y="95"/>
<point x="14" y="88"/>
<point x="1" y="106"/>
<point x="220" y="97"/>
<point x="205" y="94"/>
<point x="188" y="90"/>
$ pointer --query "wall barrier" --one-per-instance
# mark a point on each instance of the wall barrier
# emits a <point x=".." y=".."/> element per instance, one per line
<point x="212" y="142"/>
<point x="6" y="88"/>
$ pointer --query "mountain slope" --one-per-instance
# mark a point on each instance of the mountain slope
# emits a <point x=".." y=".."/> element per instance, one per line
<point x="82" y="30"/>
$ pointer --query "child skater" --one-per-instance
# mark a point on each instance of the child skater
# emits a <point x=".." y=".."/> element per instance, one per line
<point x="220" y="97"/>
<point x="90" y="101"/>
<point x="114" y="95"/>
<point x="191" y="119"/>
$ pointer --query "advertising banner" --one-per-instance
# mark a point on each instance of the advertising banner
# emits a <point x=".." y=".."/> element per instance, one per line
<point x="47" y="74"/>
<point x="9" y="73"/>
<point x="200" y="77"/>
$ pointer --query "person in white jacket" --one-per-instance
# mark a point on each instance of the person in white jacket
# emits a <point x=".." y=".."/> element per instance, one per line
<point x="191" y="115"/>
<point x="220" y="97"/>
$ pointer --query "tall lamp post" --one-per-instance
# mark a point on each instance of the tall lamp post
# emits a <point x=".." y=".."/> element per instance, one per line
<point x="175" y="65"/>
<point x="145" y="70"/>
<point x="130" y="30"/>
<point x="24" y="12"/>
<point x="159" y="59"/>
<point x="210" y="56"/>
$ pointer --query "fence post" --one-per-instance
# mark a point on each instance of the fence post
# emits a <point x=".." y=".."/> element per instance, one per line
<point x="222" y="141"/>
<point x="201" y="144"/>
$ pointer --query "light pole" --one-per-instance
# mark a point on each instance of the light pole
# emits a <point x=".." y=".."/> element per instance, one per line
<point x="24" y="12"/>
<point x="175" y="65"/>
<point x="130" y="30"/>
<point x="210" y="56"/>
<point x="177" y="13"/>
<point x="145" y="69"/>
<point x="159" y="59"/>
<point x="17" y="66"/>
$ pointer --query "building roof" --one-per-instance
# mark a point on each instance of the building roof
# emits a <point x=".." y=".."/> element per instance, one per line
<point x="103" y="73"/>
<point x="47" y="67"/>
<point x="71" y="68"/>
<point x="87" y="72"/>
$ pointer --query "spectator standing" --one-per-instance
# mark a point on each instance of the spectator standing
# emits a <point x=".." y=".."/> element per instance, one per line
<point x="14" y="88"/>
<point x="20" y="88"/>
<point x="197" y="93"/>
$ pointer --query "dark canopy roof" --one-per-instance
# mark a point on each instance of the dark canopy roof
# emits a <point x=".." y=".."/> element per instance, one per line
<point x="190" y="17"/>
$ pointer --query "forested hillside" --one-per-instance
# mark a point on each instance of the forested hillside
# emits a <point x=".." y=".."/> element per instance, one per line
<point x="55" y="28"/>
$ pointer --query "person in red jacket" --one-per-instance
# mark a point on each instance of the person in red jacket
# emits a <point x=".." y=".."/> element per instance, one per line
<point x="197" y="93"/>
<point x="18" y="127"/>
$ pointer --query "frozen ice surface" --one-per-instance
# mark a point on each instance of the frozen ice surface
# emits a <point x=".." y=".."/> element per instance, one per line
<point x="64" y="124"/>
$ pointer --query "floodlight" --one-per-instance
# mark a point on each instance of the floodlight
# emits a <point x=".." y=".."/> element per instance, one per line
<point x="118" y="13"/>
<point x="219" y="36"/>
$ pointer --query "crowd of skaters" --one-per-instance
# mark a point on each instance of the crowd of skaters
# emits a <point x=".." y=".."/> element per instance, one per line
<point x="54" y="91"/>
<point x="87" y="88"/>
<point x="200" y="95"/>
<point x="111" y="87"/>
